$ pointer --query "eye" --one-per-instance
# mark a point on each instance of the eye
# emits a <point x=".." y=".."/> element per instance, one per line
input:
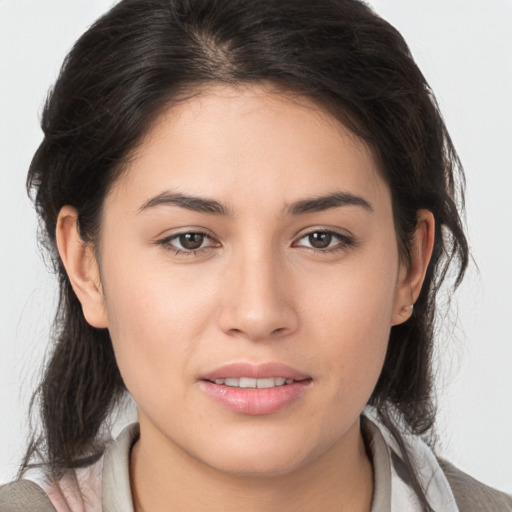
<point x="189" y="242"/>
<point x="324" y="240"/>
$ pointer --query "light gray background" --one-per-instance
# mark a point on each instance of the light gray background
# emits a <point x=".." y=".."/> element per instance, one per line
<point x="464" y="48"/>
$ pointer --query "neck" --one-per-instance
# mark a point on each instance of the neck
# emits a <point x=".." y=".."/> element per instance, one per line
<point x="341" y="479"/>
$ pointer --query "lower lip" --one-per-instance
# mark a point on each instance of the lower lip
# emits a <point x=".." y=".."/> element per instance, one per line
<point x="255" y="401"/>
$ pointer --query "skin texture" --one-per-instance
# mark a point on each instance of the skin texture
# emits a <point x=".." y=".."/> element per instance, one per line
<point x="256" y="291"/>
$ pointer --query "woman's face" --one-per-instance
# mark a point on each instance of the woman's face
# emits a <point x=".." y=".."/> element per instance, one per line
<point x="251" y="239"/>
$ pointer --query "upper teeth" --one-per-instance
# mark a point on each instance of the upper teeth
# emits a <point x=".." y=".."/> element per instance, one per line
<point x="248" y="382"/>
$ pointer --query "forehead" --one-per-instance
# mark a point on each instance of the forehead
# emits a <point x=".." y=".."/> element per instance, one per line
<point x="250" y="144"/>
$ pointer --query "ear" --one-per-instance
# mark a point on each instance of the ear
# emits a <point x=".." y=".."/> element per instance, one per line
<point x="81" y="267"/>
<point x="412" y="275"/>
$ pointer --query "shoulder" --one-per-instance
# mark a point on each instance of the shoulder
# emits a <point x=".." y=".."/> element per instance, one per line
<point x="24" y="495"/>
<point x="472" y="495"/>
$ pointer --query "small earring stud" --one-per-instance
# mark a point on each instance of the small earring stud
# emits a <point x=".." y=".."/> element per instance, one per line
<point x="408" y="308"/>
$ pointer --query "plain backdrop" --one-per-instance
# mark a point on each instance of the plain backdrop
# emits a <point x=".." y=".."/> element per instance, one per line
<point x="464" y="48"/>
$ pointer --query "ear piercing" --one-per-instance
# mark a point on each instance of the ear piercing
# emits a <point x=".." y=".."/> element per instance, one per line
<point x="408" y="308"/>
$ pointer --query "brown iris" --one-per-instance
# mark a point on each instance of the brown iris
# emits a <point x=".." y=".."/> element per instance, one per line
<point x="191" y="241"/>
<point x="320" y="239"/>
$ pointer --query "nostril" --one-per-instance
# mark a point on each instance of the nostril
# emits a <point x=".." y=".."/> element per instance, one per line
<point x="266" y="320"/>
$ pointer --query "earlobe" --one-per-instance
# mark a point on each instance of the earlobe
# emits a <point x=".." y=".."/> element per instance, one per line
<point x="81" y="267"/>
<point x="412" y="276"/>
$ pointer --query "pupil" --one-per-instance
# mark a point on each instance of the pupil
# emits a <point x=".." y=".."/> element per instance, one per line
<point x="191" y="241"/>
<point x="320" y="240"/>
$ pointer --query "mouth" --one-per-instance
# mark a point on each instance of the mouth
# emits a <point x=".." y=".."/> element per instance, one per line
<point x="250" y="375"/>
<point x="255" y="389"/>
<point x="252" y="383"/>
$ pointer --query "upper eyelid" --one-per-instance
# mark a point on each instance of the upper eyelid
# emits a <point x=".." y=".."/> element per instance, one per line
<point x="343" y="241"/>
<point x="341" y="233"/>
<point x="205" y="235"/>
<point x="172" y="236"/>
<point x="167" y="241"/>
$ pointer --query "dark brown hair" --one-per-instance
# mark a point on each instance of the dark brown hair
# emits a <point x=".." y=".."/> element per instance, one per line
<point x="143" y="55"/>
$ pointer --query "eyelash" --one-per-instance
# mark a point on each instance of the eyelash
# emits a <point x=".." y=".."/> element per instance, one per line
<point x="167" y="243"/>
<point x="343" y="243"/>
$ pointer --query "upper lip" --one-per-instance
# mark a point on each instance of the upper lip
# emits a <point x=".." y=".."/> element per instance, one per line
<point x="255" y="371"/>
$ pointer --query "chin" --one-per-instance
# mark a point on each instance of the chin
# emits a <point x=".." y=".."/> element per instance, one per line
<point x="261" y="458"/>
<point x="257" y="467"/>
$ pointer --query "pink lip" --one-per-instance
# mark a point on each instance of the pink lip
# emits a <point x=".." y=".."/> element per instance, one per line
<point x="255" y="401"/>
<point x="254" y="371"/>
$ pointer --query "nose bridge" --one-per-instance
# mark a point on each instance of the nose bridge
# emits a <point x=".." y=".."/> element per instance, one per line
<point x="257" y="301"/>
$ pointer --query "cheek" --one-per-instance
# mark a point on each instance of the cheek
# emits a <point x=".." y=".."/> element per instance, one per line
<point x="352" y="344"/>
<point x="348" y="313"/>
<point x="156" y="318"/>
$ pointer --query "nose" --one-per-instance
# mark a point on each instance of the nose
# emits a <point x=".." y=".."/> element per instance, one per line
<point x="257" y="301"/>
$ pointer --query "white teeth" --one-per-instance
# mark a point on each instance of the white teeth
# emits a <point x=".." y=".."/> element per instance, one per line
<point x="248" y="382"/>
<point x="267" y="383"/>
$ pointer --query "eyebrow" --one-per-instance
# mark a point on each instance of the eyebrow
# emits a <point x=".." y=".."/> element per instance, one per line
<point x="212" y="207"/>
<point x="196" y="204"/>
<point x="322" y="203"/>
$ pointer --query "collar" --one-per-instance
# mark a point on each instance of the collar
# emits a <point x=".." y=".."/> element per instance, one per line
<point x="392" y="489"/>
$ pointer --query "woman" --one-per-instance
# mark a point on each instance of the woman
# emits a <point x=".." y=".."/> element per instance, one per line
<point x="251" y="207"/>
